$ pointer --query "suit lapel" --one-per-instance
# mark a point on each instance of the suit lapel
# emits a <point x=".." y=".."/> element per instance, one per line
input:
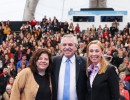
<point x="89" y="80"/>
<point x="96" y="77"/>
<point x="94" y="81"/>
<point x="78" y="65"/>
<point x="58" y="63"/>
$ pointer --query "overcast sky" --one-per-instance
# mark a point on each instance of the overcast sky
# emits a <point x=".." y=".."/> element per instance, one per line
<point x="13" y="9"/>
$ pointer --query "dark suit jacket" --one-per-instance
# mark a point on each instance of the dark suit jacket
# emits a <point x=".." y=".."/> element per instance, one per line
<point x="80" y="76"/>
<point x="105" y="86"/>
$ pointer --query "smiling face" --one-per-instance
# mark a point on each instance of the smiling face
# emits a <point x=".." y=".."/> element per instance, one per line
<point x="68" y="47"/>
<point x="43" y="62"/>
<point x="95" y="53"/>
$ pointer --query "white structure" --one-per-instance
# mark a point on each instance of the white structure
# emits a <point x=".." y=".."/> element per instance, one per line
<point x="96" y="18"/>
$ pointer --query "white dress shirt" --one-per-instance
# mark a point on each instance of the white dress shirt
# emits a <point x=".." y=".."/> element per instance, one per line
<point x="73" y="94"/>
<point x="94" y="73"/>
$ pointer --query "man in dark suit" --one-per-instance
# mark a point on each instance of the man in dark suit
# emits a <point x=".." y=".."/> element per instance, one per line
<point x="4" y="78"/>
<point x="77" y="83"/>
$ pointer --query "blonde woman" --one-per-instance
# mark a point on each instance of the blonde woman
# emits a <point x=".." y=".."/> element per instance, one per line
<point x="7" y="93"/>
<point x="102" y="82"/>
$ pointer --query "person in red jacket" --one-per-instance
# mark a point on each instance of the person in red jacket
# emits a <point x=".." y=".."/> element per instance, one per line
<point x="123" y="92"/>
<point x="33" y="22"/>
<point x="77" y="28"/>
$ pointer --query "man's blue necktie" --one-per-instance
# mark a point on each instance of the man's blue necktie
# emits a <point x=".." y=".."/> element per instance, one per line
<point x="66" y="94"/>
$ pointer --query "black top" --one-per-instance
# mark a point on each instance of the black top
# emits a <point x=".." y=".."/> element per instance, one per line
<point x="117" y="61"/>
<point x="105" y="86"/>
<point x="44" y="91"/>
<point x="4" y="80"/>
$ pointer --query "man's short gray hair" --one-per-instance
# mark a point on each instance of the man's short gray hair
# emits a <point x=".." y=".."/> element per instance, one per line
<point x="70" y="36"/>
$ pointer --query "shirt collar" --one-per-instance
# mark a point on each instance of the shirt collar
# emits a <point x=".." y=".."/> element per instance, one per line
<point x="72" y="59"/>
<point x="96" y="67"/>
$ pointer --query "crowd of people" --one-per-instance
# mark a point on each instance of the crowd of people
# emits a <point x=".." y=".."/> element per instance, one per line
<point x="107" y="50"/>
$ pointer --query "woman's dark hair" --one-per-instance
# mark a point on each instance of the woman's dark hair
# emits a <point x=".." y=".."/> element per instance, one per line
<point x="35" y="56"/>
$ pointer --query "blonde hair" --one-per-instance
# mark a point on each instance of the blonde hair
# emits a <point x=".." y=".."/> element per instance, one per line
<point x="104" y="63"/>
<point x="8" y="86"/>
